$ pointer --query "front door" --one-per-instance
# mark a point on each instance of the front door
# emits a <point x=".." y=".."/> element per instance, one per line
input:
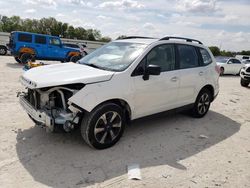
<point x="55" y="48"/>
<point x="158" y="93"/>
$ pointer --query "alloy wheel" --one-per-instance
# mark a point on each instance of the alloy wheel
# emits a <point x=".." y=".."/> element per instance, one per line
<point x="203" y="103"/>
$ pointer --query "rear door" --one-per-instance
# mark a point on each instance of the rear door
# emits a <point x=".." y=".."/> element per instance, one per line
<point x="40" y="45"/>
<point x="192" y="75"/>
<point x="158" y="93"/>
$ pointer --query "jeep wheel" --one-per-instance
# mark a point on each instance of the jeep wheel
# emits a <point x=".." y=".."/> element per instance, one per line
<point x="3" y="50"/>
<point x="17" y="59"/>
<point x="75" y="58"/>
<point x="244" y="83"/>
<point x="104" y="126"/>
<point x="202" y="103"/>
<point x="25" y="58"/>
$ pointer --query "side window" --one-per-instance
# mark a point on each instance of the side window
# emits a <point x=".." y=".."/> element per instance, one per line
<point x="163" y="56"/>
<point x="236" y="61"/>
<point x="206" y="58"/>
<point x="54" y="41"/>
<point x="187" y="56"/>
<point x="40" y="39"/>
<point x="24" y="37"/>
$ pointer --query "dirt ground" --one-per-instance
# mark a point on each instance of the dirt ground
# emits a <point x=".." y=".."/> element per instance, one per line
<point x="173" y="150"/>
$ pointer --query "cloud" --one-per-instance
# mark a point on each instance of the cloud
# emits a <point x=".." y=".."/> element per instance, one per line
<point x="197" y="6"/>
<point x="81" y="2"/>
<point x="123" y="4"/>
<point x="30" y="11"/>
<point x="149" y="26"/>
<point x="102" y="17"/>
<point x="42" y="3"/>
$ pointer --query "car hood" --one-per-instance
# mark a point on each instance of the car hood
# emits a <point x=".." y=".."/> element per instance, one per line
<point x="62" y="74"/>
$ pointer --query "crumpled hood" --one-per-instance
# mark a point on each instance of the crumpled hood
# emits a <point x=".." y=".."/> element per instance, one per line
<point x="61" y="74"/>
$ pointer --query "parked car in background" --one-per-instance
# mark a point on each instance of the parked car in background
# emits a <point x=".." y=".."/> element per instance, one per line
<point x="25" y="46"/>
<point x="229" y="65"/>
<point x="121" y="81"/>
<point x="247" y="61"/>
<point x="81" y="47"/>
<point x="245" y="75"/>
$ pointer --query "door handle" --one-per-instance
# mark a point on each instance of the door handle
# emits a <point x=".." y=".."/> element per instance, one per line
<point x="174" y="79"/>
<point x="201" y="73"/>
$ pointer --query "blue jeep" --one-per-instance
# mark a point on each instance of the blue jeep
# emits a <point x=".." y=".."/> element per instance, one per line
<point x="26" y="46"/>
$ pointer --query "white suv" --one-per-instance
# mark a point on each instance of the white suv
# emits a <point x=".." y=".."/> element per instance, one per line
<point x="245" y="75"/>
<point x="121" y="81"/>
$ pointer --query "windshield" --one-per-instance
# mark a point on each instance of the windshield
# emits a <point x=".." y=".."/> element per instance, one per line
<point x="114" y="56"/>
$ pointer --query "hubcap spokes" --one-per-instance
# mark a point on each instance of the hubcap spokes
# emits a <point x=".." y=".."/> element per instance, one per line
<point x="107" y="127"/>
<point x="203" y="103"/>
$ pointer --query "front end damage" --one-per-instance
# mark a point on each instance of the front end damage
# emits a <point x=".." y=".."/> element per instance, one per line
<point x="49" y="107"/>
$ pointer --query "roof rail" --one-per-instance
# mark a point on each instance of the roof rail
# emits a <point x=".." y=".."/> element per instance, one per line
<point x="136" y="37"/>
<point x="182" y="38"/>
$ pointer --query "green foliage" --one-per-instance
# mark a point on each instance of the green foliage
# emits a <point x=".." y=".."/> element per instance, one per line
<point x="50" y="26"/>
<point x="215" y="50"/>
<point x="121" y="37"/>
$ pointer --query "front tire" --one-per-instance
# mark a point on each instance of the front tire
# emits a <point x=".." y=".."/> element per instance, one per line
<point x="3" y="50"/>
<point x="202" y="104"/>
<point x="104" y="126"/>
<point x="75" y="58"/>
<point x="244" y="83"/>
<point x="17" y="59"/>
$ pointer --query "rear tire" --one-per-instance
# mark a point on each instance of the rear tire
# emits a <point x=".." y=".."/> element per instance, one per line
<point x="17" y="59"/>
<point x="244" y="83"/>
<point x="104" y="126"/>
<point x="75" y="58"/>
<point x="202" y="103"/>
<point x="25" y="58"/>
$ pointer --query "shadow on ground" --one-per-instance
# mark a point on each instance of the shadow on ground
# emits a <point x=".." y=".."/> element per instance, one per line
<point x="64" y="160"/>
<point x="15" y="65"/>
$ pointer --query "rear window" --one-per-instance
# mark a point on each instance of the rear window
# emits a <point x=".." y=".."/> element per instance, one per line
<point x="40" y="39"/>
<point x="206" y="58"/>
<point x="24" y="37"/>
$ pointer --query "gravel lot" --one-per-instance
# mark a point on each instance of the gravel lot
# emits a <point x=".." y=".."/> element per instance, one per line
<point x="172" y="150"/>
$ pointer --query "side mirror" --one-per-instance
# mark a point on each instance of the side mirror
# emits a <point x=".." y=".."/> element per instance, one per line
<point x="151" y="70"/>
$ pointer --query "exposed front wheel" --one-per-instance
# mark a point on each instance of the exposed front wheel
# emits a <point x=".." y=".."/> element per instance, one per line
<point x="244" y="83"/>
<point x="202" y="103"/>
<point x="17" y="59"/>
<point x="104" y="126"/>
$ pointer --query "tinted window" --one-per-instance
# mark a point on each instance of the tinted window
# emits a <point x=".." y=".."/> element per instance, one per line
<point x="72" y="45"/>
<point x="187" y="56"/>
<point x="40" y="39"/>
<point x="206" y="58"/>
<point x="25" y="37"/>
<point x="236" y="61"/>
<point x="164" y="56"/>
<point x="54" y="41"/>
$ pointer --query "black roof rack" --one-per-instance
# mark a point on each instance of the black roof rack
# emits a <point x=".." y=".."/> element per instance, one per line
<point x="136" y="37"/>
<point x="182" y="38"/>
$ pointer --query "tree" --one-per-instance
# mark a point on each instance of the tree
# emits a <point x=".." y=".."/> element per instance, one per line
<point x="121" y="37"/>
<point x="215" y="50"/>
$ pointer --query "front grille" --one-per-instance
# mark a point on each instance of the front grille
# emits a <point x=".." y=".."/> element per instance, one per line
<point x="248" y="69"/>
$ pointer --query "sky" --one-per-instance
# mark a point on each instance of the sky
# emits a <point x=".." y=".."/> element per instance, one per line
<point x="222" y="23"/>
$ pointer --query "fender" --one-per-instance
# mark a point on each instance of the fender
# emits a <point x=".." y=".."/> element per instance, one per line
<point x="27" y="50"/>
<point x="73" y="54"/>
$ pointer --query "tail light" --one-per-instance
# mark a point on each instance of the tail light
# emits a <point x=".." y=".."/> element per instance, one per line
<point x="217" y="68"/>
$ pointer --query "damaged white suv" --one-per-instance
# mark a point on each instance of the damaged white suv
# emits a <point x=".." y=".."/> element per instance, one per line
<point x="121" y="81"/>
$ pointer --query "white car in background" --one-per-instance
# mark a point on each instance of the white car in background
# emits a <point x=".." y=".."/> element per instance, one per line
<point x="245" y="75"/>
<point x="81" y="47"/>
<point x="229" y="65"/>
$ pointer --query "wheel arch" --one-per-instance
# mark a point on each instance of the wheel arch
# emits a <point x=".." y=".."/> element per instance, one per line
<point x="210" y="88"/>
<point x="29" y="50"/>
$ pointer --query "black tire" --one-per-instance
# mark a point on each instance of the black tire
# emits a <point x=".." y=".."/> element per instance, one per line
<point x="84" y="54"/>
<point x="17" y="59"/>
<point x="244" y="83"/>
<point x="96" y="132"/>
<point x="25" y="58"/>
<point x="222" y="71"/>
<point x="202" y="103"/>
<point x="3" y="50"/>
<point x="75" y="58"/>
